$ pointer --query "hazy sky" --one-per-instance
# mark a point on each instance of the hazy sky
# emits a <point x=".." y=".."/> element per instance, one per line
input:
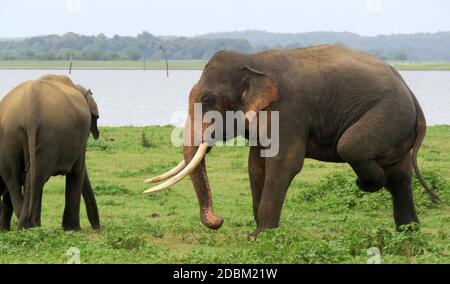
<point x="20" y="18"/>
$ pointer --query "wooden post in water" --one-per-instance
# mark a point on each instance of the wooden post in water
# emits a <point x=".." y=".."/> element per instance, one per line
<point x="143" y="58"/>
<point x="165" y="57"/>
<point x="70" y="63"/>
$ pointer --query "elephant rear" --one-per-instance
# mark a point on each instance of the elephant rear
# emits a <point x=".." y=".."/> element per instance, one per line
<point x="49" y="120"/>
<point x="53" y="115"/>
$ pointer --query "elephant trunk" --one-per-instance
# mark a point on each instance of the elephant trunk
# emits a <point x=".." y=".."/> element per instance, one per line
<point x="200" y="181"/>
<point x="192" y="136"/>
<point x="194" y="151"/>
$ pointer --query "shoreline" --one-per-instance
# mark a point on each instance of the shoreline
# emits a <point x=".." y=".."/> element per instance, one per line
<point x="160" y="65"/>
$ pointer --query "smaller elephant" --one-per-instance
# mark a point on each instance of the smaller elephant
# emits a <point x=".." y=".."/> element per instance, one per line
<point x="44" y="128"/>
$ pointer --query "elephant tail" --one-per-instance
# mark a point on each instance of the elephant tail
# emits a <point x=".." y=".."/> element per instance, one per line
<point x="421" y="127"/>
<point x="32" y="133"/>
<point x="90" y="202"/>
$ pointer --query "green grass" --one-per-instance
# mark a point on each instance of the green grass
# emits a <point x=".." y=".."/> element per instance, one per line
<point x="325" y="219"/>
<point x="173" y="64"/>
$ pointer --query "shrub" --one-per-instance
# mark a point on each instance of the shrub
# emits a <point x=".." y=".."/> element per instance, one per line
<point x="437" y="183"/>
<point x="98" y="145"/>
<point x="146" y="141"/>
<point x="338" y="191"/>
<point x="106" y="188"/>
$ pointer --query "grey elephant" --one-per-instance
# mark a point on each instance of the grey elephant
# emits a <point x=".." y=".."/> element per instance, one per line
<point x="335" y="104"/>
<point x="44" y="128"/>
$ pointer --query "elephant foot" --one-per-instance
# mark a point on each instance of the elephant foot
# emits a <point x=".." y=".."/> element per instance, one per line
<point x="25" y="224"/>
<point x="369" y="186"/>
<point x="5" y="225"/>
<point x="71" y="227"/>
<point x="96" y="227"/>
<point x="253" y="236"/>
<point x="5" y="228"/>
<point x="407" y="224"/>
<point x="412" y="226"/>
<point x="71" y="222"/>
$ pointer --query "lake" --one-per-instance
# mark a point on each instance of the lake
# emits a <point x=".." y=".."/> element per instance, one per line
<point x="139" y="98"/>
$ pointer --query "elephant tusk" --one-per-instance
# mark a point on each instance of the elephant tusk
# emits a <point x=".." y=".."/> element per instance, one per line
<point x="168" y="174"/>
<point x="198" y="157"/>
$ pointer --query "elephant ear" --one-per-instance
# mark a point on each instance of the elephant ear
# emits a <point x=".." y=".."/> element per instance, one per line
<point x="94" y="114"/>
<point x="260" y="92"/>
<point x="92" y="104"/>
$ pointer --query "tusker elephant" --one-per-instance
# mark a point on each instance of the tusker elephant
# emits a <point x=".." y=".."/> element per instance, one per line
<point x="44" y="127"/>
<point x="334" y="104"/>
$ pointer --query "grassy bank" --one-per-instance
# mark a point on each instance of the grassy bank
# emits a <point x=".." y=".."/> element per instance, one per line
<point x="421" y="67"/>
<point x="325" y="218"/>
<point x="173" y="64"/>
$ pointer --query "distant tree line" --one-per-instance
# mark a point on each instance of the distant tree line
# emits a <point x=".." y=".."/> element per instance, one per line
<point x="100" y="47"/>
<point x="414" y="47"/>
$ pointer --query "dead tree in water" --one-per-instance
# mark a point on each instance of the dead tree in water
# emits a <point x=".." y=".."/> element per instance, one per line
<point x="165" y="57"/>
<point x="70" y="63"/>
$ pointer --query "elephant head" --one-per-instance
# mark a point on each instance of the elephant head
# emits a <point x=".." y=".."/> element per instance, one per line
<point x="231" y="81"/>
<point x="87" y="93"/>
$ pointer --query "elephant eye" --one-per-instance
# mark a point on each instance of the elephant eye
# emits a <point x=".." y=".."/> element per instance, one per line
<point x="208" y="100"/>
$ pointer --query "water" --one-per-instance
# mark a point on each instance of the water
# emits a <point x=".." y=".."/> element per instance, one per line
<point x="432" y="89"/>
<point x="138" y="98"/>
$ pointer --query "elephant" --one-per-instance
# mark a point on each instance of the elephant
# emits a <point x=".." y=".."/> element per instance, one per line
<point x="44" y="128"/>
<point x="335" y="104"/>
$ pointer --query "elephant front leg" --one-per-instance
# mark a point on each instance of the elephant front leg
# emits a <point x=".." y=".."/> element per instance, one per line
<point x="279" y="172"/>
<point x="256" y="171"/>
<point x="74" y="185"/>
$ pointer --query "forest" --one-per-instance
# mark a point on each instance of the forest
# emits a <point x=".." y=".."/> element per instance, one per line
<point x="430" y="47"/>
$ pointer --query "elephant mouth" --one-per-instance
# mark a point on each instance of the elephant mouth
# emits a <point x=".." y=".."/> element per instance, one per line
<point x="179" y="172"/>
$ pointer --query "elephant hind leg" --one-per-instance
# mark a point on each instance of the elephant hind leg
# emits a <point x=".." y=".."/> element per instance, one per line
<point x="370" y="139"/>
<point x="371" y="177"/>
<point x="400" y="186"/>
<point x="74" y="185"/>
<point x="13" y="188"/>
<point x="30" y="215"/>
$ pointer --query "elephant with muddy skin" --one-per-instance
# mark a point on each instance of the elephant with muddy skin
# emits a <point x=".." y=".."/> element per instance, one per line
<point x="44" y="128"/>
<point x="334" y="104"/>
